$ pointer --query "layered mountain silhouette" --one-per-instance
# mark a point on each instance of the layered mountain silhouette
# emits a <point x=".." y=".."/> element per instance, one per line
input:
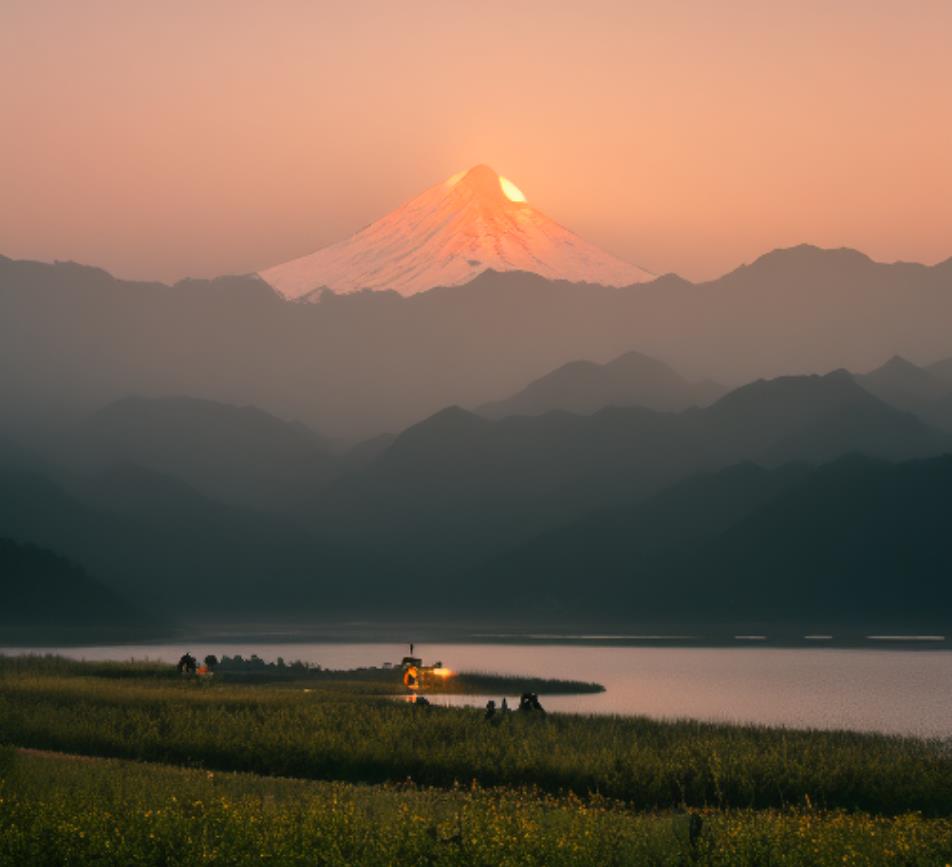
<point x="594" y="559"/>
<point x="856" y="541"/>
<point x="360" y="364"/>
<point x="942" y="369"/>
<point x="923" y="391"/>
<point x="904" y="385"/>
<point x="42" y="590"/>
<point x="422" y="521"/>
<point x="155" y="540"/>
<point x="163" y="473"/>
<point x="469" y="223"/>
<point x="632" y="379"/>
<point x="234" y="454"/>
<point x="860" y="542"/>
<point x="458" y="484"/>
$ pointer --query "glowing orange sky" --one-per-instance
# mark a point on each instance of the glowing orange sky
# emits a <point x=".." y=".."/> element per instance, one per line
<point x="165" y="139"/>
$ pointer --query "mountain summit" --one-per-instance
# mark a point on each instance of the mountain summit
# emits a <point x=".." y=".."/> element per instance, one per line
<point x="474" y="221"/>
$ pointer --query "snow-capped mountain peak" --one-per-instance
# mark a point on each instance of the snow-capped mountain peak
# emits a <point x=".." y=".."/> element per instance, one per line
<point x="471" y="222"/>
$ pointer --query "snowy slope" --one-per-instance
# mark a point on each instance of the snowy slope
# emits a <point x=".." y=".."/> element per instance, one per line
<point x="447" y="236"/>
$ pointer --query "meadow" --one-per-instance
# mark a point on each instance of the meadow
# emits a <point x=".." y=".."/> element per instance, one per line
<point x="56" y="809"/>
<point x="150" y="769"/>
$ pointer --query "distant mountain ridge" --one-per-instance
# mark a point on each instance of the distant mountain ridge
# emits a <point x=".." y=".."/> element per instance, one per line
<point x="457" y="485"/>
<point x="904" y="384"/>
<point x="942" y="369"/>
<point x="236" y="454"/>
<point x="632" y="379"/>
<point x="357" y="365"/>
<point x="920" y="390"/>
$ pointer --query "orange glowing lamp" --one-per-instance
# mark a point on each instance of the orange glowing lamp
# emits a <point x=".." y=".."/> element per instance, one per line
<point x="411" y="677"/>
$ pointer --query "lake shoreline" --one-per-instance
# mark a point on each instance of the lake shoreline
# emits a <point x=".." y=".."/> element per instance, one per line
<point x="135" y="763"/>
<point x="887" y="689"/>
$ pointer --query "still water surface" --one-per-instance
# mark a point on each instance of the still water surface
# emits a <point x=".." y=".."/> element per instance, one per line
<point x="894" y="691"/>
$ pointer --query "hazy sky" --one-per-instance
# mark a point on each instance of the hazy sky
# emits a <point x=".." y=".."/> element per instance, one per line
<point x="167" y="139"/>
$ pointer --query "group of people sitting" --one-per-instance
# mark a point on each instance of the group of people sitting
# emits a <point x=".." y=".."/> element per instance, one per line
<point x="528" y="702"/>
<point x="188" y="664"/>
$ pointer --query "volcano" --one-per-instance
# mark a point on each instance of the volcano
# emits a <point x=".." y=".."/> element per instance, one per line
<point x="474" y="221"/>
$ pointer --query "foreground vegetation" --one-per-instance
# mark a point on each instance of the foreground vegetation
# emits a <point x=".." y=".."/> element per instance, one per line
<point x="333" y="734"/>
<point x="379" y="781"/>
<point x="56" y="810"/>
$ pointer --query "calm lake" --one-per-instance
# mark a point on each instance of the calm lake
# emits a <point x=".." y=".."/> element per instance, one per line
<point x="884" y="690"/>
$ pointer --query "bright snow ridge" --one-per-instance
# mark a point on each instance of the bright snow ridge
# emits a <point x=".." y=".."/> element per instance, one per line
<point x="447" y="236"/>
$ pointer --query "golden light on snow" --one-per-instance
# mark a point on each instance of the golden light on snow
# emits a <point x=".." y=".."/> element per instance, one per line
<point x="510" y="190"/>
<point x="473" y="220"/>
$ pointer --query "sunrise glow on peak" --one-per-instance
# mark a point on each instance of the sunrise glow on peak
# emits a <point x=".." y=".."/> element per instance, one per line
<point x="483" y="174"/>
<point x="471" y="222"/>
<point x="510" y="190"/>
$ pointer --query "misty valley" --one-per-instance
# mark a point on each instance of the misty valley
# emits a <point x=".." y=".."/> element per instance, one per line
<point x="662" y="599"/>
<point x="146" y="492"/>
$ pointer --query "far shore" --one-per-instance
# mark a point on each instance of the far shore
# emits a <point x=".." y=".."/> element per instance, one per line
<point x="869" y="637"/>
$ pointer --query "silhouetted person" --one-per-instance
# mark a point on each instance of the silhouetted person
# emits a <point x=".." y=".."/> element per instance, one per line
<point x="411" y="648"/>
<point x="529" y="701"/>
<point x="186" y="664"/>
<point x="504" y="707"/>
<point x="490" y="709"/>
<point x="421" y="700"/>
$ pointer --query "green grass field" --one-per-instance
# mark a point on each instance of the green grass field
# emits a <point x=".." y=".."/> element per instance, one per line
<point x="340" y="776"/>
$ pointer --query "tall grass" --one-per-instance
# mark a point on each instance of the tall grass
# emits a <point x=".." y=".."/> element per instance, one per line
<point x="52" y="665"/>
<point x="336" y="736"/>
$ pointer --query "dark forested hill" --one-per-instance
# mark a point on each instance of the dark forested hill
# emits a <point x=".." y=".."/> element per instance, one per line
<point x="856" y="541"/>
<point x="160" y="543"/>
<point x="41" y="590"/>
